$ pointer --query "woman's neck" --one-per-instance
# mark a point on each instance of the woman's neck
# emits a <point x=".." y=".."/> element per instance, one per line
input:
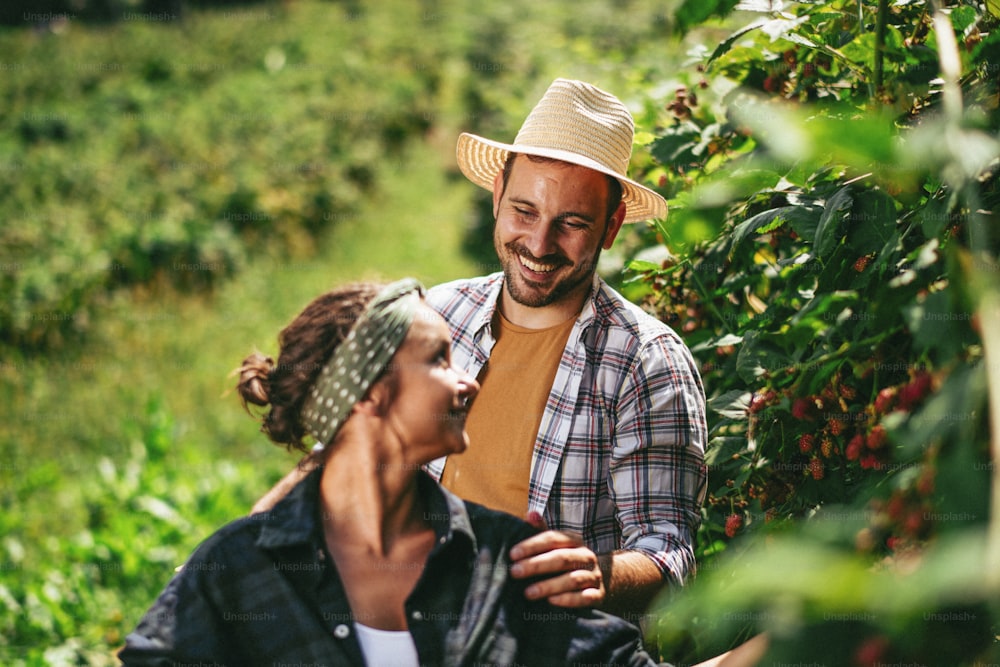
<point x="367" y="500"/>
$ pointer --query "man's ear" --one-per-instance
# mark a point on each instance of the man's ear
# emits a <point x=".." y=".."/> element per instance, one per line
<point x="614" y="226"/>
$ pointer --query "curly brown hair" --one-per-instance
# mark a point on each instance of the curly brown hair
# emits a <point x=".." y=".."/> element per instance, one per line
<point x="306" y="344"/>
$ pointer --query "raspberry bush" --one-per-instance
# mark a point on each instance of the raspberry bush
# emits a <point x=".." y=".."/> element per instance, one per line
<point x="832" y="169"/>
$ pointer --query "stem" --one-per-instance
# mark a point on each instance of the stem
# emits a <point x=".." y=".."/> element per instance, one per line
<point x="880" y="22"/>
<point x="982" y="279"/>
<point x="989" y="318"/>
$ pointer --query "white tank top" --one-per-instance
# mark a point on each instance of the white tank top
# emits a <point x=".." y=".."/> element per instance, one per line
<point x="387" y="648"/>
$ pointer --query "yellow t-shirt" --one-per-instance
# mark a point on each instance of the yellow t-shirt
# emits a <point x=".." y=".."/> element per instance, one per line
<point x="504" y="418"/>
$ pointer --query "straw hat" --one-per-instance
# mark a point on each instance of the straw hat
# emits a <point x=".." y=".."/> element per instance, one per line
<point x="577" y="123"/>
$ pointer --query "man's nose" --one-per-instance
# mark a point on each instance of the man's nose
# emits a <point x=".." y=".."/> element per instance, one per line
<point x="539" y="239"/>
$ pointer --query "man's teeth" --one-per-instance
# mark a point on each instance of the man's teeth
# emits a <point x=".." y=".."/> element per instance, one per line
<point x="536" y="267"/>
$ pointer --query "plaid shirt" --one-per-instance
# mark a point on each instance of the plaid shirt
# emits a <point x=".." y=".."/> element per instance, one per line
<point x="263" y="591"/>
<point x="619" y="455"/>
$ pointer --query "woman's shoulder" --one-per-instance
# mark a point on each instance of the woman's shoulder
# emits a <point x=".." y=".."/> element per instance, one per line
<point x="227" y="547"/>
<point x="498" y="524"/>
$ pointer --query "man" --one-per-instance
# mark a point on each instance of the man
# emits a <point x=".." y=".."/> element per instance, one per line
<point x="591" y="415"/>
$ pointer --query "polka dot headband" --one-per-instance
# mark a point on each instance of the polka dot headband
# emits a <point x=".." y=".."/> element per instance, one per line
<point x="360" y="359"/>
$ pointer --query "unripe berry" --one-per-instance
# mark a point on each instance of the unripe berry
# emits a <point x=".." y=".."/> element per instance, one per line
<point x="826" y="448"/>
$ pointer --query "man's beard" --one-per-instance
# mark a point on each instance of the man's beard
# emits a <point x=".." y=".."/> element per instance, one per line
<point x="525" y="294"/>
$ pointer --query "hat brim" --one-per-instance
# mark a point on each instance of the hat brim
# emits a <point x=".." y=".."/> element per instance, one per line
<point x="482" y="159"/>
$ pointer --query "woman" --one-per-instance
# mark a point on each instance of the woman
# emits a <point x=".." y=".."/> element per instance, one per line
<point x="367" y="560"/>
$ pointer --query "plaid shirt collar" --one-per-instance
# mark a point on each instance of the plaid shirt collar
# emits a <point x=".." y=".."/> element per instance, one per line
<point x="494" y="283"/>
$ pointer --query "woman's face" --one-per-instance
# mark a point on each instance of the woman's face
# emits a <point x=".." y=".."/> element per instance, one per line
<point x="430" y="396"/>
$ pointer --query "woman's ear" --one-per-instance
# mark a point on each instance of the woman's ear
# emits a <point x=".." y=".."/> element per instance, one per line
<point x="376" y="400"/>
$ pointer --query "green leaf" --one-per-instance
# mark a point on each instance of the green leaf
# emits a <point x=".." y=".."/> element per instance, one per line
<point x="799" y="217"/>
<point x="759" y="355"/>
<point x="834" y="213"/>
<point x="871" y="222"/>
<point x="723" y="454"/>
<point x="732" y="404"/>
<point x="695" y="12"/>
<point x="963" y="18"/>
<point x="642" y="266"/>
<point x="727" y="43"/>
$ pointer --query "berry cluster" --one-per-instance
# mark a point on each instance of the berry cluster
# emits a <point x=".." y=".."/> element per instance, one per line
<point x="835" y="433"/>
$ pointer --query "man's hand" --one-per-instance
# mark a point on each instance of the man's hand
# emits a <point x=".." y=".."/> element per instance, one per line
<point x="575" y="577"/>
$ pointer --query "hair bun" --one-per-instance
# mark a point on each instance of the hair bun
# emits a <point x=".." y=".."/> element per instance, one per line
<point x="254" y="383"/>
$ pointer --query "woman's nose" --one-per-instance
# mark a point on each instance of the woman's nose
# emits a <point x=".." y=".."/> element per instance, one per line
<point x="469" y="385"/>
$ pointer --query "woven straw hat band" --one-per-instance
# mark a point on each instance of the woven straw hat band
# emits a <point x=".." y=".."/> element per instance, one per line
<point x="577" y="123"/>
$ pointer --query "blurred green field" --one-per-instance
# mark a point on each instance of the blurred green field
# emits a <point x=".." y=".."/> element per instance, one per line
<point x="171" y="196"/>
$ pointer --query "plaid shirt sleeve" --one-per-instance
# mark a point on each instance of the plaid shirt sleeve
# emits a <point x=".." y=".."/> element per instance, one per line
<point x="619" y="456"/>
<point x="657" y="470"/>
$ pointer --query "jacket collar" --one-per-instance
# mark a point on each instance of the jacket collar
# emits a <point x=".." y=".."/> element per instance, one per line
<point x="295" y="520"/>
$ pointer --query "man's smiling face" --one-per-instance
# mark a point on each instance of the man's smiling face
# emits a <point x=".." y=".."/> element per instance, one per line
<point x="551" y="223"/>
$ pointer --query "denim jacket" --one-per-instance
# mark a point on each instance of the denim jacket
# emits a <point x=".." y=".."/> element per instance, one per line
<point x="264" y="591"/>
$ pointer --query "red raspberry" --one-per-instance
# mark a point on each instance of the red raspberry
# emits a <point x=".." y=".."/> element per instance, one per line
<point x="854" y="447"/>
<point x="806" y="443"/>
<point x="762" y="399"/>
<point x="861" y="263"/>
<point x="870" y="461"/>
<point x="885" y="400"/>
<point x="915" y="391"/>
<point x="733" y="524"/>
<point x="836" y="426"/>
<point x="895" y="507"/>
<point x="914" y="522"/>
<point x="816" y="469"/>
<point x="925" y="484"/>
<point x="876" y="437"/>
<point x="802" y="408"/>
<point x="871" y="651"/>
